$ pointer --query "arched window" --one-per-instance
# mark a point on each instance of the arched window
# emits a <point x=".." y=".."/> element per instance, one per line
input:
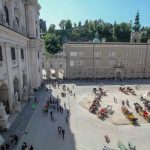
<point x="7" y="14"/>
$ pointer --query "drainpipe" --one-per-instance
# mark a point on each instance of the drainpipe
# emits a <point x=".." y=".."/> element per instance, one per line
<point x="93" y="60"/>
<point x="145" y="62"/>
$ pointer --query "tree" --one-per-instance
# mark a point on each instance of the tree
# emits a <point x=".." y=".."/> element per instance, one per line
<point x="123" y="31"/>
<point x="79" y="24"/>
<point x="62" y="24"/>
<point x="43" y="25"/>
<point x="68" y="25"/>
<point x="51" y="28"/>
<point x="75" y="25"/>
<point x="52" y="43"/>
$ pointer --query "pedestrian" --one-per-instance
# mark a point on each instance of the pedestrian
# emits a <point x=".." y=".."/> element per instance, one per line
<point x="51" y="113"/>
<point x="74" y="95"/>
<point x="11" y="139"/>
<point x="2" y="147"/>
<point x="62" y="109"/>
<point x="68" y="113"/>
<point x="64" y="104"/>
<point x="6" y="146"/>
<point x="114" y="99"/>
<point x="16" y="139"/>
<point x="66" y="119"/>
<point x="127" y="103"/>
<point x="123" y="103"/>
<point x="24" y="146"/>
<point x="63" y="133"/>
<point x="59" y="129"/>
<point x="35" y="100"/>
<point x="31" y="147"/>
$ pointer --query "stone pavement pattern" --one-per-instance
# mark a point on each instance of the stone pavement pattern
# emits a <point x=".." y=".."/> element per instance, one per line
<point x="84" y="132"/>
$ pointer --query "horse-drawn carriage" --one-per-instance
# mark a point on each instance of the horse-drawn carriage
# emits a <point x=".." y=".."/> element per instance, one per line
<point x="129" y="115"/>
<point x="103" y="112"/>
<point x="94" y="107"/>
<point x="139" y="109"/>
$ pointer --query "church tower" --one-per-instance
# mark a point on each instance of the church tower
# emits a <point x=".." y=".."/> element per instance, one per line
<point x="136" y="35"/>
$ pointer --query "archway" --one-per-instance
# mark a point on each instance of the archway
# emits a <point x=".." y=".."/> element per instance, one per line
<point x="60" y="73"/>
<point x="4" y="97"/>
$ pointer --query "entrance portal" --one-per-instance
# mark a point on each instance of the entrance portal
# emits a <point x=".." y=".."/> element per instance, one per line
<point x="4" y="97"/>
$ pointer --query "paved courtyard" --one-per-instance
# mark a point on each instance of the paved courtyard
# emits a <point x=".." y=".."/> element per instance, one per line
<point x="85" y="130"/>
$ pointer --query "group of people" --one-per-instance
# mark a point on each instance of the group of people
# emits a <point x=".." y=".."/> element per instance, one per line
<point x="52" y="105"/>
<point x="13" y="140"/>
<point x="25" y="147"/>
<point x="127" y="103"/>
<point x="61" y="131"/>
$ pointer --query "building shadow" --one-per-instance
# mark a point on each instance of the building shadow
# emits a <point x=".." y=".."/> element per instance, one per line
<point x="43" y="132"/>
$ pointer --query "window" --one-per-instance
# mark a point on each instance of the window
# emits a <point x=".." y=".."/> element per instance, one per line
<point x="13" y="55"/>
<point x="22" y="54"/>
<point x="97" y="54"/>
<point x="141" y="53"/>
<point x="71" y="63"/>
<point x="140" y="62"/>
<point x="125" y="62"/>
<point x="111" y="54"/>
<point x="1" y="55"/>
<point x="73" y="53"/>
<point x="7" y="14"/>
<point x="127" y="54"/>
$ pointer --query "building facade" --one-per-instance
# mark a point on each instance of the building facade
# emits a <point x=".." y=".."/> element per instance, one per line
<point x="107" y="60"/>
<point x="20" y="50"/>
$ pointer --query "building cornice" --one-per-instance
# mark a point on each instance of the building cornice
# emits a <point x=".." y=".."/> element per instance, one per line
<point x="12" y="32"/>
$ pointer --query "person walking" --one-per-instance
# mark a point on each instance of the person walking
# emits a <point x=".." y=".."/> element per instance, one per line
<point x="31" y="148"/>
<point x="59" y="129"/>
<point x="6" y="146"/>
<point x="24" y="146"/>
<point x="67" y="119"/>
<point x="51" y="114"/>
<point x="16" y="139"/>
<point x="11" y="139"/>
<point x="63" y="133"/>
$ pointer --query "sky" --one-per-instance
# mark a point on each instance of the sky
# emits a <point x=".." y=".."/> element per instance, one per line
<point x="53" y="11"/>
